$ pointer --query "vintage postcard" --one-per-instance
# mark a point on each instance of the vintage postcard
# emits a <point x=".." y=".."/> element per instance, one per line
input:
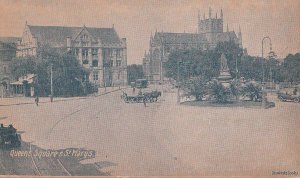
<point x="184" y="88"/>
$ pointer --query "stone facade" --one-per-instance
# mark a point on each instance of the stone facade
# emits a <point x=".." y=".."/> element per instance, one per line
<point x="7" y="53"/>
<point x="98" y="49"/>
<point x="210" y="33"/>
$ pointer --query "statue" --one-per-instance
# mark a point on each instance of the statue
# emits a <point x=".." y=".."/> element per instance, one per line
<point x="224" y="76"/>
<point x="224" y="66"/>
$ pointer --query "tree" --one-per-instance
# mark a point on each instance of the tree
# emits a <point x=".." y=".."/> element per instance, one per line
<point x="22" y="66"/>
<point x="134" y="72"/>
<point x="290" y="68"/>
<point x="252" y="90"/>
<point x="192" y="63"/>
<point x="195" y="62"/>
<point x="67" y="72"/>
<point x="197" y="87"/>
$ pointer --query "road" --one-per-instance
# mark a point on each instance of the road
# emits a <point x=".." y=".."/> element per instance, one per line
<point x="160" y="139"/>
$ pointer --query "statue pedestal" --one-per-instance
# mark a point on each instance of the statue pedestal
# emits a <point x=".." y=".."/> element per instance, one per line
<point x="225" y="78"/>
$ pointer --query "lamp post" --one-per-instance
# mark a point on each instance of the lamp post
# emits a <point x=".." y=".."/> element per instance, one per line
<point x="264" y="94"/>
<point x="178" y="85"/>
<point x="51" y="82"/>
<point x="262" y="54"/>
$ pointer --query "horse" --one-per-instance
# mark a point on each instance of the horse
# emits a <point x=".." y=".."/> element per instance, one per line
<point x="155" y="94"/>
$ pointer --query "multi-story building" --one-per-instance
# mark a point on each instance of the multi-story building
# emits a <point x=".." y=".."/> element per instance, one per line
<point x="146" y="65"/>
<point x="100" y="50"/>
<point x="210" y="33"/>
<point x="7" y="53"/>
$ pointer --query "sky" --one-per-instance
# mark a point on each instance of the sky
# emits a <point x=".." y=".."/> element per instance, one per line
<point x="137" y="19"/>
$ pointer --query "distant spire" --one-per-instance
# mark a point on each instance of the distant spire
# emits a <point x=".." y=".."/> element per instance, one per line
<point x="113" y="25"/>
<point x="216" y="15"/>
<point x="199" y="18"/>
<point x="221" y="13"/>
<point x="26" y="22"/>
<point x="233" y="29"/>
<point x="210" y="12"/>
<point x="240" y="38"/>
<point x="227" y="28"/>
<point x="204" y="16"/>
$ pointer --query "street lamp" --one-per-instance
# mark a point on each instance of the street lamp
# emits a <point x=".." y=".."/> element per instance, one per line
<point x="262" y="54"/>
<point x="178" y="85"/>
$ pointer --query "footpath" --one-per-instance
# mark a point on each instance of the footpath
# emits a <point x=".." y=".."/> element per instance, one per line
<point x="20" y="100"/>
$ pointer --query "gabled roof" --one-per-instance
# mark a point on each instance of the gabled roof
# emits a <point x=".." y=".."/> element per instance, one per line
<point x="9" y="39"/>
<point x="8" y="43"/>
<point x="226" y="36"/>
<point x="181" y="37"/>
<point x="56" y="35"/>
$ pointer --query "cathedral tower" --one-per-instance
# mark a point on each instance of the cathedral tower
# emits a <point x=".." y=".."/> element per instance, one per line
<point x="210" y="24"/>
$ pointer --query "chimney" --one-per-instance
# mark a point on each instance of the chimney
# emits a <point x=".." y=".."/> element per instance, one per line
<point x="69" y="43"/>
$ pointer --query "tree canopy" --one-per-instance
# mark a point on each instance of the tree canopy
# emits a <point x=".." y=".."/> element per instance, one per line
<point x="134" y="72"/>
<point x="68" y="74"/>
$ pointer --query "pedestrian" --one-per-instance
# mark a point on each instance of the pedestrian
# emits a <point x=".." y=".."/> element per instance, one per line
<point x="140" y="92"/>
<point x="295" y="91"/>
<point x="144" y="100"/>
<point x="37" y="101"/>
<point x="133" y="90"/>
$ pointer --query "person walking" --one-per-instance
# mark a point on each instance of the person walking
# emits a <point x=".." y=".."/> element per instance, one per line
<point x="37" y="101"/>
<point x="144" y="100"/>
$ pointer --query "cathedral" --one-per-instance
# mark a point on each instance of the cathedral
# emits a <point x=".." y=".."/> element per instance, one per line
<point x="210" y="33"/>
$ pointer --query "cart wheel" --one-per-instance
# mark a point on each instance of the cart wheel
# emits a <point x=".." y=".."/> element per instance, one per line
<point x="296" y="100"/>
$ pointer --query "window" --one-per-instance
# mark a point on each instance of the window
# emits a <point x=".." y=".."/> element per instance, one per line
<point x="95" y="63"/>
<point x="94" y="51"/>
<point x="110" y="52"/>
<point x="118" y="51"/>
<point x="118" y="63"/>
<point x="95" y="76"/>
<point x="85" y="61"/>
<point x="75" y="51"/>
<point x="85" y="54"/>
<point x="119" y="73"/>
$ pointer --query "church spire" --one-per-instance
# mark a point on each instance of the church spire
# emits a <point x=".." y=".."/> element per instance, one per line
<point x="221" y="14"/>
<point x="240" y="38"/>
<point x="209" y="12"/>
<point x="227" y="28"/>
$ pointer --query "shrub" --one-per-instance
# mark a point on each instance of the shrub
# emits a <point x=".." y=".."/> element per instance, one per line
<point x="252" y="91"/>
<point x="196" y="87"/>
<point x="219" y="92"/>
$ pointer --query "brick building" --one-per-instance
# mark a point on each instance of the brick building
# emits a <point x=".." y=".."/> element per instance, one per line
<point x="7" y="53"/>
<point x="100" y="50"/>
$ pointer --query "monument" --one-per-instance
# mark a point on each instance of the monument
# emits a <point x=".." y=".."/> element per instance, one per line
<point x="224" y="76"/>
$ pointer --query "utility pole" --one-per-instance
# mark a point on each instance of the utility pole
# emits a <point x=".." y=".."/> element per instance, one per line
<point x="178" y="85"/>
<point x="51" y="82"/>
<point x="262" y="55"/>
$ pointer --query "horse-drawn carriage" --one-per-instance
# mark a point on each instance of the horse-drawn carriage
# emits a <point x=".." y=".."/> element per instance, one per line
<point x="9" y="136"/>
<point x="141" y="97"/>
